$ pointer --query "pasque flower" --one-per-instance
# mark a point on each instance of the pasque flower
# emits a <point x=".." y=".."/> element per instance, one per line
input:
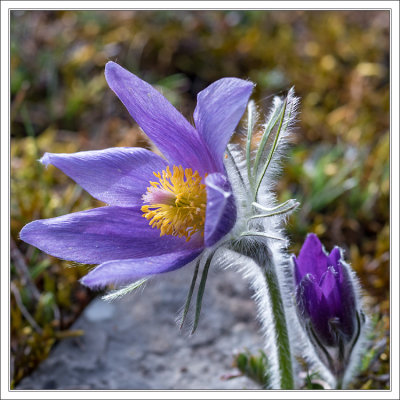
<point x="205" y="200"/>
<point x="324" y="292"/>
<point x="162" y="212"/>
<point x="328" y="303"/>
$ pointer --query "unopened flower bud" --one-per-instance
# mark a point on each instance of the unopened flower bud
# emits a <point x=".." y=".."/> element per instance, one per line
<point x="327" y="303"/>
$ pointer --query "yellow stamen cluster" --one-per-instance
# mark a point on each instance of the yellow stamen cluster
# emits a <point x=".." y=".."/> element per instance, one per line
<point x="176" y="203"/>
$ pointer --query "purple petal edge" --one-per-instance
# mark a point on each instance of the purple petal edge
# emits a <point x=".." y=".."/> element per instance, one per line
<point x="221" y="208"/>
<point x="117" y="176"/>
<point x="312" y="257"/>
<point x="121" y="272"/>
<point x="165" y="126"/>
<point x="101" y="234"/>
<point x="219" y="109"/>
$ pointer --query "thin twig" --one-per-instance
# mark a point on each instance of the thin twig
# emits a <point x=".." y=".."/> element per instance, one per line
<point x="25" y="276"/>
<point x="22" y="270"/>
<point x="23" y="309"/>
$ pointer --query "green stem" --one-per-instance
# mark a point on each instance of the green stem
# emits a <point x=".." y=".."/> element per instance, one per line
<point x="281" y="330"/>
<point x="250" y="123"/>
<point x="271" y="124"/>
<point x="277" y="330"/>
<point x="339" y="384"/>
<point x="271" y="153"/>
<point x="200" y="291"/>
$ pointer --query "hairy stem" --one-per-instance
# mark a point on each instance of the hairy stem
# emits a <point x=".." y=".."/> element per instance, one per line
<point x="281" y="330"/>
<point x="271" y="308"/>
<point x="250" y="126"/>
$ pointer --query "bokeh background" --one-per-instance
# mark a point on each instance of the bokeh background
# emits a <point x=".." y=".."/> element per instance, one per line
<point x="339" y="167"/>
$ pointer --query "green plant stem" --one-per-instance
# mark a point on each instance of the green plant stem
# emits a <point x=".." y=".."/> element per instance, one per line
<point x="339" y="384"/>
<point x="250" y="123"/>
<point x="272" y="151"/>
<point x="281" y="331"/>
<point x="271" y="303"/>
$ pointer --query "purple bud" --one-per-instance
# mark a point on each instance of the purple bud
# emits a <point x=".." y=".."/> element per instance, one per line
<point x="328" y="306"/>
<point x="325" y="293"/>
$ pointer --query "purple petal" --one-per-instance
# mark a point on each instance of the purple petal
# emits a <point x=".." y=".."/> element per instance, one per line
<point x="126" y="271"/>
<point x="335" y="261"/>
<point x="297" y="273"/>
<point x="313" y="305"/>
<point x="340" y="303"/>
<point x="349" y="304"/>
<point x="117" y="176"/>
<point x="334" y="257"/>
<point x="165" y="126"/>
<point x="219" y="109"/>
<point x="330" y="288"/>
<point x="101" y="234"/>
<point x="221" y="208"/>
<point x="312" y="258"/>
<point x="309" y="293"/>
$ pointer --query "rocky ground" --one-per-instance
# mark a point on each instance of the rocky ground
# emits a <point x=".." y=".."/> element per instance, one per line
<point x="134" y="343"/>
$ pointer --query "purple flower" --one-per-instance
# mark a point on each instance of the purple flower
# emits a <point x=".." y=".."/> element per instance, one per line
<point x="325" y="293"/>
<point x="162" y="212"/>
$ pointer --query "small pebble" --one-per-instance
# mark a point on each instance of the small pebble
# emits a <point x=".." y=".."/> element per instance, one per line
<point x="99" y="310"/>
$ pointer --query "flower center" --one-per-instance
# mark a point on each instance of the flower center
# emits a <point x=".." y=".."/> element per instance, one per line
<point x="176" y="204"/>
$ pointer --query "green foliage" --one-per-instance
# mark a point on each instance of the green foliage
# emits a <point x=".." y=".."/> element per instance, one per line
<point x="373" y="371"/>
<point x="253" y="366"/>
<point x="311" y="384"/>
<point x="338" y="168"/>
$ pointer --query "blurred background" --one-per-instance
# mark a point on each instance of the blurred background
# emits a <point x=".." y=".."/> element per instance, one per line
<point x="338" y="168"/>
